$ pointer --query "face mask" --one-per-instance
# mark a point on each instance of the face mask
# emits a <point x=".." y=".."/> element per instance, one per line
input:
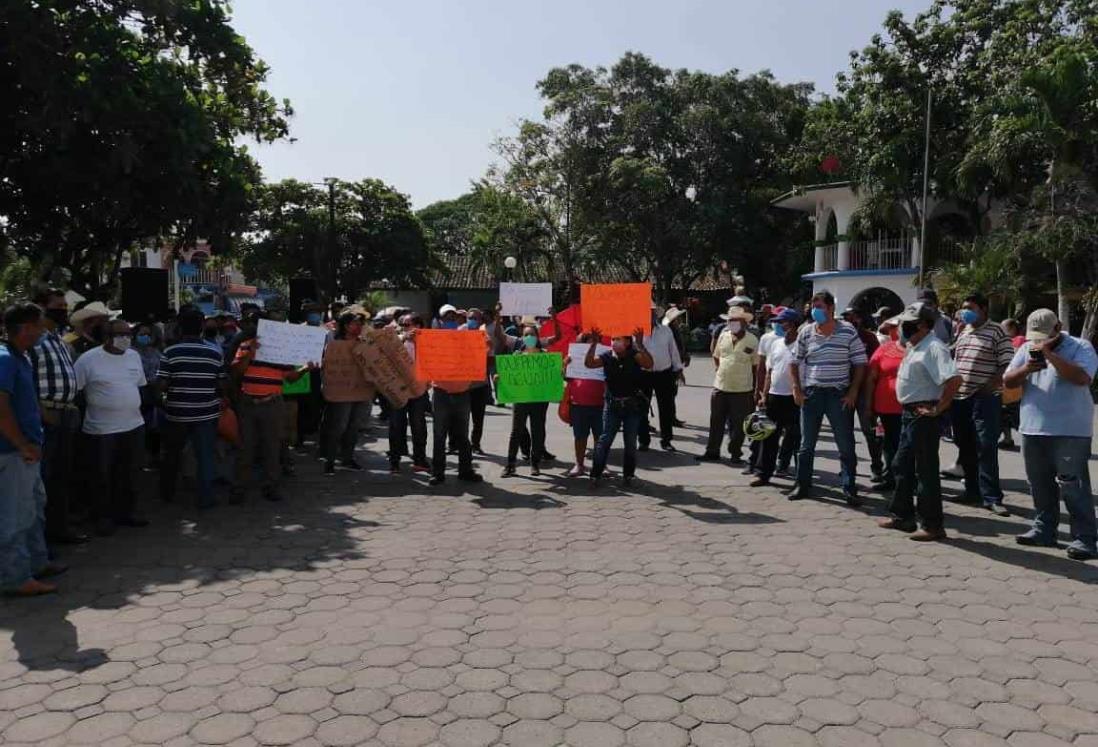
<point x="907" y="331"/>
<point x="313" y="320"/>
<point x="530" y="341"/>
<point x="60" y="317"/>
<point x="473" y="324"/>
<point x="120" y="343"/>
<point x="968" y="316"/>
<point x="618" y="346"/>
<point x="449" y="325"/>
<point x="735" y="327"/>
<point x="144" y="339"/>
<point x="778" y="327"/>
<point x="819" y="315"/>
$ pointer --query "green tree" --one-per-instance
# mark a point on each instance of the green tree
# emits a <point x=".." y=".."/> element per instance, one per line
<point x="122" y="122"/>
<point x="346" y="238"/>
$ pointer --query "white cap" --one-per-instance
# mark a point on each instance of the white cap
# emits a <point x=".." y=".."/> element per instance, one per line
<point x="445" y="309"/>
<point x="740" y="301"/>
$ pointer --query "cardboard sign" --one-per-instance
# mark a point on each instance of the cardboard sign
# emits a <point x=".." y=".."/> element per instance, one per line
<point x="451" y="355"/>
<point x="525" y="299"/>
<point x="386" y="363"/>
<point x="290" y="344"/>
<point x="344" y="379"/>
<point x="303" y="385"/>
<point x="529" y="377"/>
<point x="616" y="308"/>
<point x="577" y="352"/>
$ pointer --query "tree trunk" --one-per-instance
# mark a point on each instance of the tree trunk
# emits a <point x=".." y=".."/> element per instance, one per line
<point x="1063" y="307"/>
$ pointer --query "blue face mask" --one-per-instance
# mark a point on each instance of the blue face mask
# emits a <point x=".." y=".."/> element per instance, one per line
<point x="778" y="327"/>
<point x="968" y="316"/>
<point x="313" y="320"/>
<point x="819" y="315"/>
<point x="473" y="324"/>
<point x="530" y="341"/>
<point x="448" y="325"/>
<point x="144" y="340"/>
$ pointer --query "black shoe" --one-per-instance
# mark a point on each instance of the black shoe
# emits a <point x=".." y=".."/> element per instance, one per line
<point x="236" y="496"/>
<point x="748" y="470"/>
<point x="799" y="493"/>
<point x="885" y="486"/>
<point x="272" y="495"/>
<point x="437" y="480"/>
<point x="525" y="456"/>
<point x="394" y="469"/>
<point x="707" y="458"/>
<point x="535" y="471"/>
<point x="51" y="570"/>
<point x="627" y="481"/>
<point x="350" y="464"/>
<point x="68" y="538"/>
<point x="786" y="471"/>
<point x="132" y="521"/>
<point x="735" y="461"/>
<point x="877" y="479"/>
<point x="330" y="468"/>
<point x="547" y="457"/>
<point x="289" y="470"/>
<point x="642" y="447"/>
<point x="104" y="528"/>
<point x="852" y="498"/>
<point x="508" y="471"/>
<point x="680" y="423"/>
<point x="667" y="446"/>
<point x="470" y="477"/>
<point x="1032" y="539"/>
<point x="477" y="450"/>
<point x="1081" y="553"/>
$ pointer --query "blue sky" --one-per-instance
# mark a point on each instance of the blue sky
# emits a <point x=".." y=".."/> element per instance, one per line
<point x="414" y="92"/>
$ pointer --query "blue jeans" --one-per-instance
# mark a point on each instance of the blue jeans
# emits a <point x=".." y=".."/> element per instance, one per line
<point x="174" y="437"/>
<point x="820" y="402"/>
<point x="628" y="421"/>
<point x="1058" y="467"/>
<point x="22" y="521"/>
<point x="976" y="430"/>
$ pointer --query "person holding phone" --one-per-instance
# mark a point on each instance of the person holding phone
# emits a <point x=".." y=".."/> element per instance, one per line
<point x="1055" y="372"/>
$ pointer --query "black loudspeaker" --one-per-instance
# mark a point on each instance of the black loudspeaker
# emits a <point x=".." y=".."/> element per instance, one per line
<point x="301" y="289"/>
<point x="144" y="293"/>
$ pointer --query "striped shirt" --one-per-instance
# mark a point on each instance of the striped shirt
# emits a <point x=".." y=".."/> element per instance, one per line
<point x="826" y="360"/>
<point x="981" y="354"/>
<point x="191" y="370"/>
<point x="53" y="371"/>
<point x="260" y="379"/>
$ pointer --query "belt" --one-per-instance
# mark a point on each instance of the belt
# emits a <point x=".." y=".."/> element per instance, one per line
<point x="49" y="404"/>
<point x="260" y="398"/>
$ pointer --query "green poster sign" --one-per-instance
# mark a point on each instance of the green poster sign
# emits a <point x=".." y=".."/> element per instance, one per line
<point x="532" y="377"/>
<point x="301" y="386"/>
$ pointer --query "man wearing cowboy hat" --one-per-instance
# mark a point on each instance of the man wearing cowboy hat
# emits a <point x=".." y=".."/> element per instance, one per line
<point x="671" y="321"/>
<point x="735" y="355"/>
<point x="88" y="327"/>
<point x="660" y="381"/>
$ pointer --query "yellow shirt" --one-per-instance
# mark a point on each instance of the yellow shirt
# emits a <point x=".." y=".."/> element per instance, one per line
<point x="737" y="360"/>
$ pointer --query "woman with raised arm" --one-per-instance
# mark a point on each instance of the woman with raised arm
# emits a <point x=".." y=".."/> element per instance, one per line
<point x="625" y="401"/>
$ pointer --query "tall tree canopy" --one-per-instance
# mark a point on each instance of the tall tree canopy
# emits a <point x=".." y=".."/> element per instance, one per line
<point x="122" y="122"/>
<point x="348" y="238"/>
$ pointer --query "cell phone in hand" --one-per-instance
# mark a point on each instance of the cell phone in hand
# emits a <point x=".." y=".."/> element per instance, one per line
<point x="1037" y="356"/>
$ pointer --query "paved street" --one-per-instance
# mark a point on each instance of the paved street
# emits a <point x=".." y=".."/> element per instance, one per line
<point x="691" y="610"/>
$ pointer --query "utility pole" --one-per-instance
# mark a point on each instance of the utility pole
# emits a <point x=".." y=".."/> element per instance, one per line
<point x="926" y="179"/>
<point x="326" y="265"/>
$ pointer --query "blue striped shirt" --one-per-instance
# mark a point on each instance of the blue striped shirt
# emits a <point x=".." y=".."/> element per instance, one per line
<point x="826" y="360"/>
<point x="191" y="370"/>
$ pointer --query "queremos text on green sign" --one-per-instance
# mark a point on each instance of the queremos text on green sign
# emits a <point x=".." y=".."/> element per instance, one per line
<point x="532" y="377"/>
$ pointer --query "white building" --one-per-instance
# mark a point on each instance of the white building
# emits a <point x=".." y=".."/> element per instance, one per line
<point x="878" y="270"/>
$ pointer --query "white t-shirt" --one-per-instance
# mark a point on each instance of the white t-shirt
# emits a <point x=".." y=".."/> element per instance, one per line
<point x="110" y="383"/>
<point x="777" y="363"/>
<point x="766" y="342"/>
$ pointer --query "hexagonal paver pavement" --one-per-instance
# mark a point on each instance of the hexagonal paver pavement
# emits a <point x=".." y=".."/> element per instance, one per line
<point x="688" y="610"/>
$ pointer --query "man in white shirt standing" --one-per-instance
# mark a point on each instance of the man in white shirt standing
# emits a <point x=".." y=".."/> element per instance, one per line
<point x="660" y="381"/>
<point x="110" y="377"/>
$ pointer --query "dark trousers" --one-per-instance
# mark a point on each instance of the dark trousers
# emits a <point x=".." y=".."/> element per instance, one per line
<point x="262" y="426"/>
<point x="535" y="413"/>
<point x="727" y="411"/>
<point x="660" y="384"/>
<point x="479" y="399"/>
<point x="629" y="421"/>
<point x="821" y="402"/>
<point x="783" y="410"/>
<point x="450" y="419"/>
<point x="310" y="407"/>
<point x="413" y="415"/>
<point x="976" y="430"/>
<point x="873" y="443"/>
<point x="916" y="465"/>
<point x="339" y="429"/>
<point x="890" y="444"/>
<point x="57" y="469"/>
<point x="117" y="457"/>
<point x="173" y="437"/>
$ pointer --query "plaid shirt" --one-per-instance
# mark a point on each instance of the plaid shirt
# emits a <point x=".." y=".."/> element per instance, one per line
<point x="53" y="372"/>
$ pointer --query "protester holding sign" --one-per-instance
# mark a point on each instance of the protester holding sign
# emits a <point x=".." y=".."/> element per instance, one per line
<point x="347" y="395"/>
<point x="586" y="401"/>
<point x="625" y="401"/>
<point x="412" y="415"/>
<point x="504" y="343"/>
<point x="532" y="374"/>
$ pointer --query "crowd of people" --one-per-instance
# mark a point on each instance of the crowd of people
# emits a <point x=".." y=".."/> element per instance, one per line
<point x="87" y="401"/>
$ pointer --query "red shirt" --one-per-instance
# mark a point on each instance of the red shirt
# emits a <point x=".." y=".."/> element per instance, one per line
<point x="886" y="362"/>
<point x="1018" y="341"/>
<point x="589" y="392"/>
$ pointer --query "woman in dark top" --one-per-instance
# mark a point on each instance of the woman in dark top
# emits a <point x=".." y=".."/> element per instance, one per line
<point x="625" y="402"/>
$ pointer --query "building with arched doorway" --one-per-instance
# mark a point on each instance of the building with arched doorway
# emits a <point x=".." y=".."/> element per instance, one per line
<point x="864" y="260"/>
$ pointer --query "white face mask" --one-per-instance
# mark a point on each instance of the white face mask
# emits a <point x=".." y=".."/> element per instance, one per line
<point x="121" y="343"/>
<point x="735" y="327"/>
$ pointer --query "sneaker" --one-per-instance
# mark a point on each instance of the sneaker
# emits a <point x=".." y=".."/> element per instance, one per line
<point x="470" y="477"/>
<point x="748" y="470"/>
<point x="998" y="509"/>
<point x="1078" y="551"/>
<point x="1032" y="539"/>
<point x="894" y="523"/>
<point x="928" y="535"/>
<point x="667" y="446"/>
<point x="350" y="464"/>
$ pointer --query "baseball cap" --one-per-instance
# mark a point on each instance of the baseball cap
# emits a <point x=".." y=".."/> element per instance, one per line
<point x="918" y="312"/>
<point x="1041" y="324"/>
<point x="445" y="309"/>
<point x="927" y="294"/>
<point x="788" y="315"/>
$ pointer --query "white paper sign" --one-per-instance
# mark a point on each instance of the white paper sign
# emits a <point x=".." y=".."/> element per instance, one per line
<point x="290" y="344"/>
<point x="577" y="351"/>
<point x="526" y="299"/>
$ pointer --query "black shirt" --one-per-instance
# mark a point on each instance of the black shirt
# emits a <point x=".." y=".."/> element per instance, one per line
<point x="623" y="375"/>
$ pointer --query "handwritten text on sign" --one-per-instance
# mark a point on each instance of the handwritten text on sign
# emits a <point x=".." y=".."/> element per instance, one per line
<point x="525" y="299"/>
<point x="616" y="308"/>
<point x="577" y="369"/>
<point x="290" y="344"/>
<point x="532" y="377"/>
<point x="451" y="355"/>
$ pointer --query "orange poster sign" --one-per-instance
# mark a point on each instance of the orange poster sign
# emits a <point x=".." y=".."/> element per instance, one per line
<point x="451" y="355"/>
<point x="616" y="308"/>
